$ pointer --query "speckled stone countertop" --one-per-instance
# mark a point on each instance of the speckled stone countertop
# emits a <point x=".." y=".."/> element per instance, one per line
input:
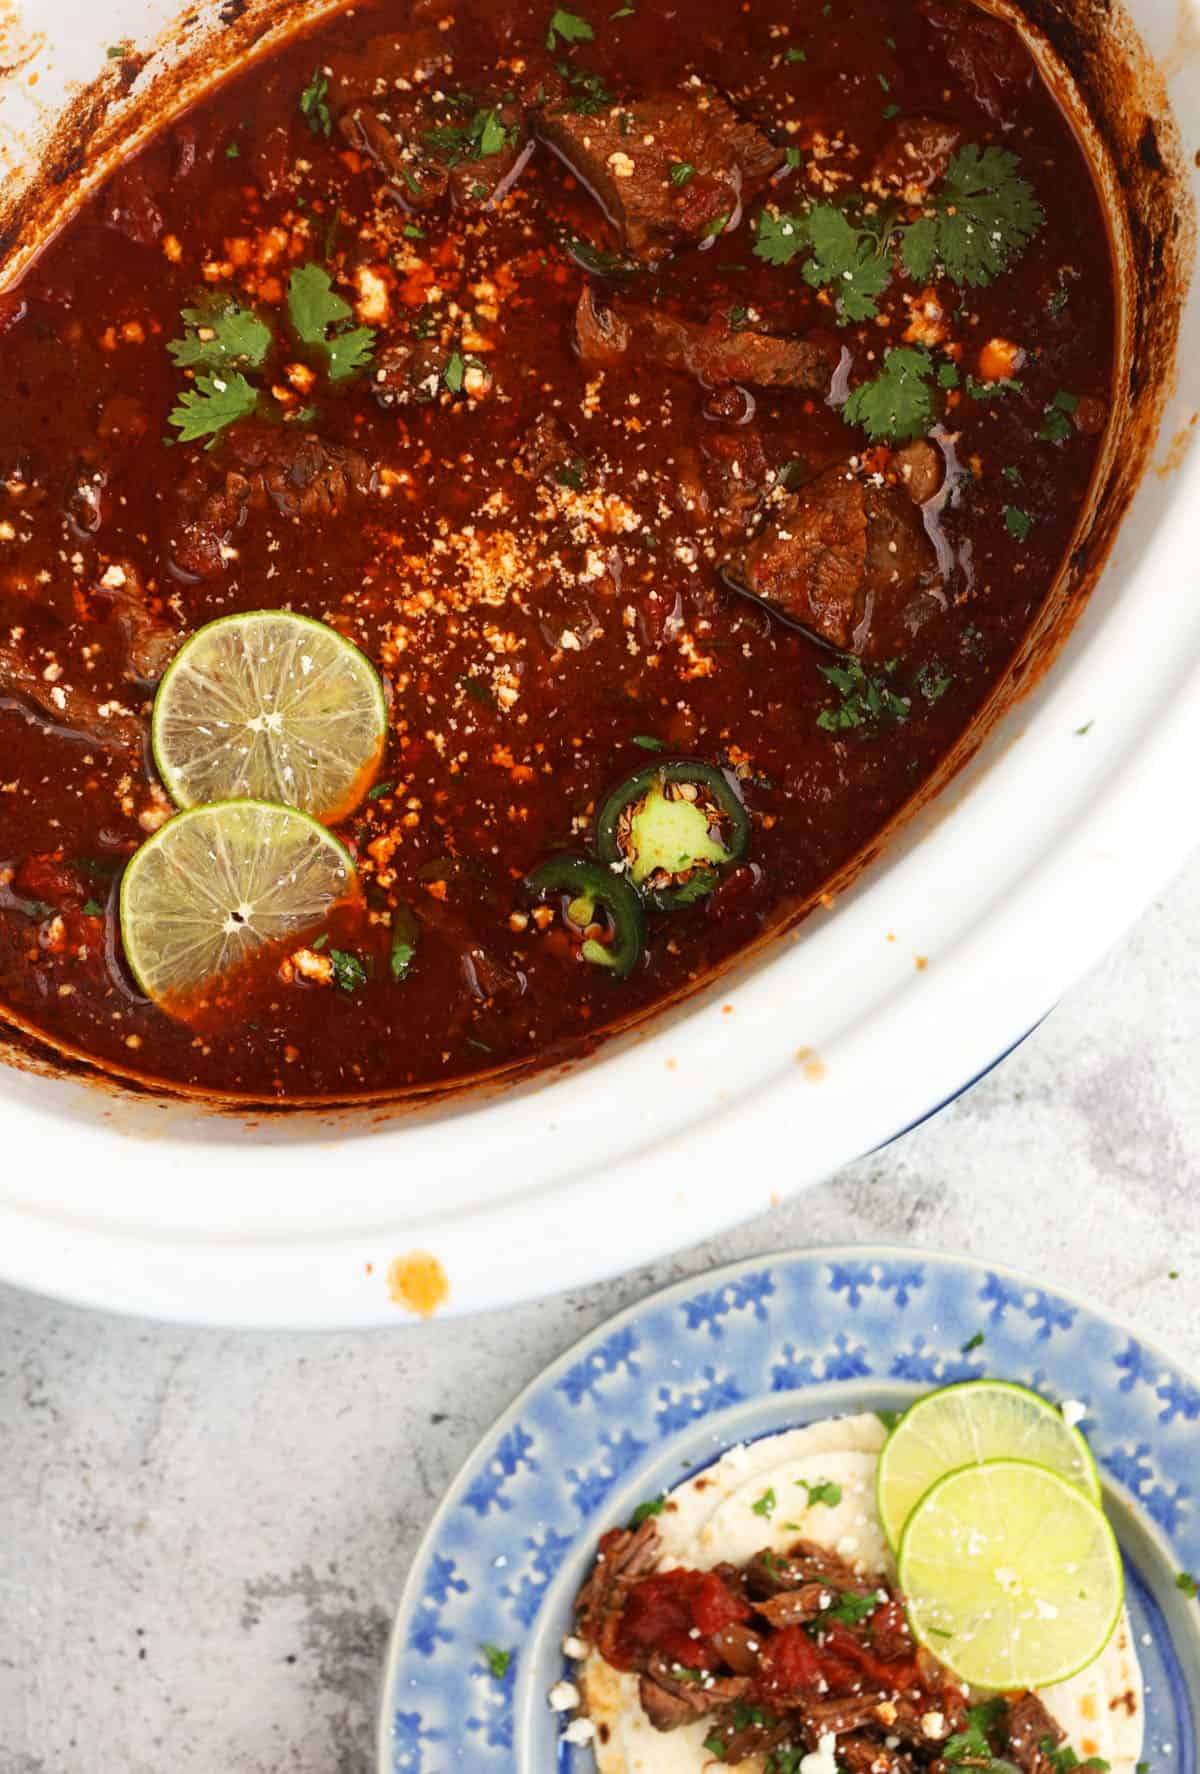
<point x="202" y="1534"/>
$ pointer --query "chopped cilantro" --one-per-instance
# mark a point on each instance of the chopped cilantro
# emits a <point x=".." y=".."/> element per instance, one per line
<point x="116" y="51"/>
<point x="314" y="306"/>
<point x="972" y="1742"/>
<point x="867" y="700"/>
<point x="623" y="12"/>
<point x="479" y="137"/>
<point x="785" y="1760"/>
<point x="983" y="215"/>
<point x="933" y="681"/>
<point x="884" y="82"/>
<point x="649" y="744"/>
<point x="380" y="789"/>
<point x="1012" y="474"/>
<point x="766" y="1504"/>
<point x="454" y="372"/>
<point x="1079" y="733"/>
<point x="406" y="933"/>
<point x="947" y="375"/>
<point x="889" y="1419"/>
<point x="214" y="403"/>
<point x="714" y="1744"/>
<point x="1065" y="1761"/>
<point x="590" y="96"/>
<point x="1188" y="1584"/>
<point x="573" y="473"/>
<point x="496" y="1661"/>
<point x="849" y="1609"/>
<point x="412" y="232"/>
<point x="314" y="107"/>
<point x="570" y="27"/>
<point x="791" y="157"/>
<point x="480" y="1046"/>
<point x="232" y="151"/>
<point x="990" y="389"/>
<point x="790" y="474"/>
<point x="898" y="404"/>
<point x="1056" y="425"/>
<point x="92" y="908"/>
<point x="478" y="692"/>
<point x="348" y="971"/>
<point x="1018" y="523"/>
<point x="796" y="55"/>
<point x="1058" y="301"/>
<point x="681" y="172"/>
<point x="972" y="1343"/>
<point x="780" y="237"/>
<point x="890" y="111"/>
<point x="825" y="1490"/>
<point x="221" y="335"/>
<point x="653" y="1506"/>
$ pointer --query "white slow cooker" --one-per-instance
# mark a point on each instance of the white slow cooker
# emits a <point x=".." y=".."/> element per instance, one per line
<point x="941" y="955"/>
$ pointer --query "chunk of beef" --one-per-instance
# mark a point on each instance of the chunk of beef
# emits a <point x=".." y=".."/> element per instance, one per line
<point x="64" y="706"/>
<point x="914" y="155"/>
<point x="626" y="1555"/>
<point x="985" y="52"/>
<point x="921" y="469"/>
<point x="151" y="636"/>
<point x="750" y="1731"/>
<point x="737" y="474"/>
<point x="128" y="206"/>
<point x="297" y="473"/>
<point x="842" y="559"/>
<point x="1029" y="1726"/>
<point x="410" y="370"/>
<point x="431" y="144"/>
<point x="548" y="451"/>
<point x="852" y="1712"/>
<point x="670" y="1699"/>
<point x="712" y="351"/>
<point x="624" y="155"/>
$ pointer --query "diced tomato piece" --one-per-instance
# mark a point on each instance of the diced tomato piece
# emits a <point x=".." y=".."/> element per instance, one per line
<point x="790" y="1663"/>
<point x="676" y="1612"/>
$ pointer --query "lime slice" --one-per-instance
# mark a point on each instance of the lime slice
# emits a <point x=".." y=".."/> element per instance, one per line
<point x="1011" y="1574"/>
<point x="965" y="1424"/>
<point x="219" y="884"/>
<point x="274" y="707"/>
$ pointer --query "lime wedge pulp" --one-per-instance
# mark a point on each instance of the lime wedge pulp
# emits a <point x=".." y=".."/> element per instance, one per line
<point x="1011" y="1575"/>
<point x="217" y="885"/>
<point x="965" y="1424"/>
<point x="271" y="706"/>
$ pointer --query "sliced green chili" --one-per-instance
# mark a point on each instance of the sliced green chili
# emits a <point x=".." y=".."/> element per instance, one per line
<point x="590" y="895"/>
<point x="675" y="826"/>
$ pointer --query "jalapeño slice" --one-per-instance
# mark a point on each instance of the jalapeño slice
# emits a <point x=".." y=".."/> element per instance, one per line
<point x="675" y="826"/>
<point x="599" y="908"/>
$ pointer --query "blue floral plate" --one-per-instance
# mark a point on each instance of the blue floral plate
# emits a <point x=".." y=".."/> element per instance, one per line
<point x="761" y="1346"/>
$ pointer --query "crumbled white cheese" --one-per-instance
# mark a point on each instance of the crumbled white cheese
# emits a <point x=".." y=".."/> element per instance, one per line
<point x="1073" y="1412"/>
<point x="823" y="1759"/>
<point x="574" y="1648"/>
<point x="579" y="1731"/>
<point x="563" y="1697"/>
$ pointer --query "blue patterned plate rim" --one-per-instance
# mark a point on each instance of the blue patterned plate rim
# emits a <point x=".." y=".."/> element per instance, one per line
<point x="605" y="1424"/>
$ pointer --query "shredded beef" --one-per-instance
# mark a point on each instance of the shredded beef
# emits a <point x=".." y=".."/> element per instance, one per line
<point x="625" y="1556"/>
<point x="1029" y="1727"/>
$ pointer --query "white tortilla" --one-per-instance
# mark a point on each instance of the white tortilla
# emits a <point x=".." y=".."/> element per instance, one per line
<point x="711" y="1520"/>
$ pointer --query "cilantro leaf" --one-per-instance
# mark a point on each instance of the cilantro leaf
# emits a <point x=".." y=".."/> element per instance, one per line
<point x="849" y="259"/>
<point x="570" y="27"/>
<point x="766" y="1504"/>
<point x="973" y="1740"/>
<point x="483" y="134"/>
<point x="214" y="402"/>
<point x="983" y="216"/>
<point x="898" y="404"/>
<point x="653" y="1506"/>
<point x="348" y="971"/>
<point x="1056" y="425"/>
<point x="867" y="699"/>
<point x="889" y="1419"/>
<point x="405" y="936"/>
<point x="681" y="171"/>
<point x="313" y="104"/>
<point x="648" y="743"/>
<point x="1018" y="523"/>
<point x="496" y="1661"/>
<point x="221" y="335"/>
<point x="1187" y="1585"/>
<point x="825" y="1490"/>
<point x="849" y="1609"/>
<point x="780" y="238"/>
<point x="314" y="306"/>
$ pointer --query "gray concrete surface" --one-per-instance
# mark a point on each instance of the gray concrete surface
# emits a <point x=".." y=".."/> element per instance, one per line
<point x="202" y="1534"/>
